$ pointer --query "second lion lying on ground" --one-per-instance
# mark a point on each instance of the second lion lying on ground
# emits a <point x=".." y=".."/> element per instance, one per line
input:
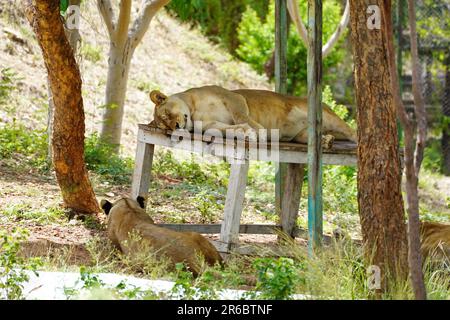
<point x="244" y="112"/>
<point x="127" y="216"/>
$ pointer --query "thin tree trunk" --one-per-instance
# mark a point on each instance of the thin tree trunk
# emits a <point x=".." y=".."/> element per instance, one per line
<point x="445" y="143"/>
<point x="414" y="255"/>
<point x="379" y="171"/>
<point x="123" y="42"/>
<point x="65" y="83"/>
<point x="116" y="89"/>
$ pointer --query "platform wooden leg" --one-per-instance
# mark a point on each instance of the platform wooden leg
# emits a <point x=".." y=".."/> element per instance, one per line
<point x="229" y="233"/>
<point x="142" y="169"/>
<point x="291" y="197"/>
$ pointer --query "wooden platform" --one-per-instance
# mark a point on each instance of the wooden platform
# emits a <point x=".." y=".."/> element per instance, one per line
<point x="239" y="153"/>
<point x="341" y="153"/>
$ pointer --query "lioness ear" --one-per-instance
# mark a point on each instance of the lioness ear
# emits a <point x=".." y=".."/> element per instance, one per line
<point x="157" y="97"/>
<point x="141" y="201"/>
<point x="106" y="206"/>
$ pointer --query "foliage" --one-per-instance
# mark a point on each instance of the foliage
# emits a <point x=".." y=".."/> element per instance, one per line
<point x="90" y="286"/>
<point x="205" y="287"/>
<point x="7" y="80"/>
<point x="191" y="170"/>
<point x="257" y="39"/>
<point x="13" y="267"/>
<point x="101" y="158"/>
<point x="218" y="19"/>
<point x="277" y="278"/>
<point x="207" y="204"/>
<point x="24" y="212"/>
<point x="15" y="140"/>
<point x="91" y="53"/>
<point x="339" y="109"/>
<point x="432" y="159"/>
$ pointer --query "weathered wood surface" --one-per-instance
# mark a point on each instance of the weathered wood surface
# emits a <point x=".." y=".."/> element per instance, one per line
<point x="342" y="152"/>
<point x="281" y="35"/>
<point x="229" y="233"/>
<point x="314" y="79"/>
<point x="142" y="168"/>
<point x="291" y="197"/>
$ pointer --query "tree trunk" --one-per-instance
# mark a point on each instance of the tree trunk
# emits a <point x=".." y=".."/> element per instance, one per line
<point x="74" y="37"/>
<point x="116" y="89"/>
<point x="65" y="83"/>
<point x="379" y="172"/>
<point x="412" y="183"/>
<point x="446" y="127"/>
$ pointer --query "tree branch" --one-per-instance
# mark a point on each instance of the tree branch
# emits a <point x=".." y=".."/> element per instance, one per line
<point x="123" y="22"/>
<point x="419" y="110"/>
<point x="295" y="16"/>
<point x="107" y="13"/>
<point x="148" y="10"/>
<point x="326" y="49"/>
<point x="301" y="29"/>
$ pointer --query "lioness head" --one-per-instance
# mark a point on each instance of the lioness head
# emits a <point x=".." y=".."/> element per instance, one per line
<point x="122" y="206"/>
<point x="171" y="113"/>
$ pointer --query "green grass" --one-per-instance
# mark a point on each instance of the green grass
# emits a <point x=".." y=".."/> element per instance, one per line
<point x="101" y="159"/>
<point x="23" y="146"/>
<point x="26" y="213"/>
<point x="91" y="53"/>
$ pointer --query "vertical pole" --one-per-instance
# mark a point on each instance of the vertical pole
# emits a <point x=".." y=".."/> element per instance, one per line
<point x="314" y="65"/>
<point x="280" y="85"/>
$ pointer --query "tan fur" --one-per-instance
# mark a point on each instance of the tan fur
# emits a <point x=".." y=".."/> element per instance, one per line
<point x="247" y="110"/>
<point x="435" y="239"/>
<point x="127" y="217"/>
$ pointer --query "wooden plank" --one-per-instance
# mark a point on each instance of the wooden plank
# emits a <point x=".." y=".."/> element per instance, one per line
<point x="342" y="154"/>
<point x="142" y="167"/>
<point x="314" y="77"/>
<point x="291" y="197"/>
<point x="281" y="34"/>
<point x="243" y="229"/>
<point x="229" y="232"/>
<point x="339" y="146"/>
<point x="215" y="228"/>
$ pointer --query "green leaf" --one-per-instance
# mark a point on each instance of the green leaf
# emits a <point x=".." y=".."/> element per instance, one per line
<point x="63" y="5"/>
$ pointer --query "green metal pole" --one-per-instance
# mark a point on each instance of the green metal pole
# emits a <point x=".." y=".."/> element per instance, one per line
<point x="281" y="34"/>
<point x="314" y="66"/>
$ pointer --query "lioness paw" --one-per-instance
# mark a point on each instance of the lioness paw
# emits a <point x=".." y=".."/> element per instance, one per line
<point x="327" y="141"/>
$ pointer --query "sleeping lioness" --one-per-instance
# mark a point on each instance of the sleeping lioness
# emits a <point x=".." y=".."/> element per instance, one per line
<point x="127" y="216"/>
<point x="244" y="111"/>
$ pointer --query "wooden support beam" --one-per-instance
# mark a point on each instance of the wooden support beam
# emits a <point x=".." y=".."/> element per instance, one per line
<point x="314" y="65"/>
<point x="142" y="167"/>
<point x="281" y="34"/>
<point x="291" y="197"/>
<point x="229" y="233"/>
